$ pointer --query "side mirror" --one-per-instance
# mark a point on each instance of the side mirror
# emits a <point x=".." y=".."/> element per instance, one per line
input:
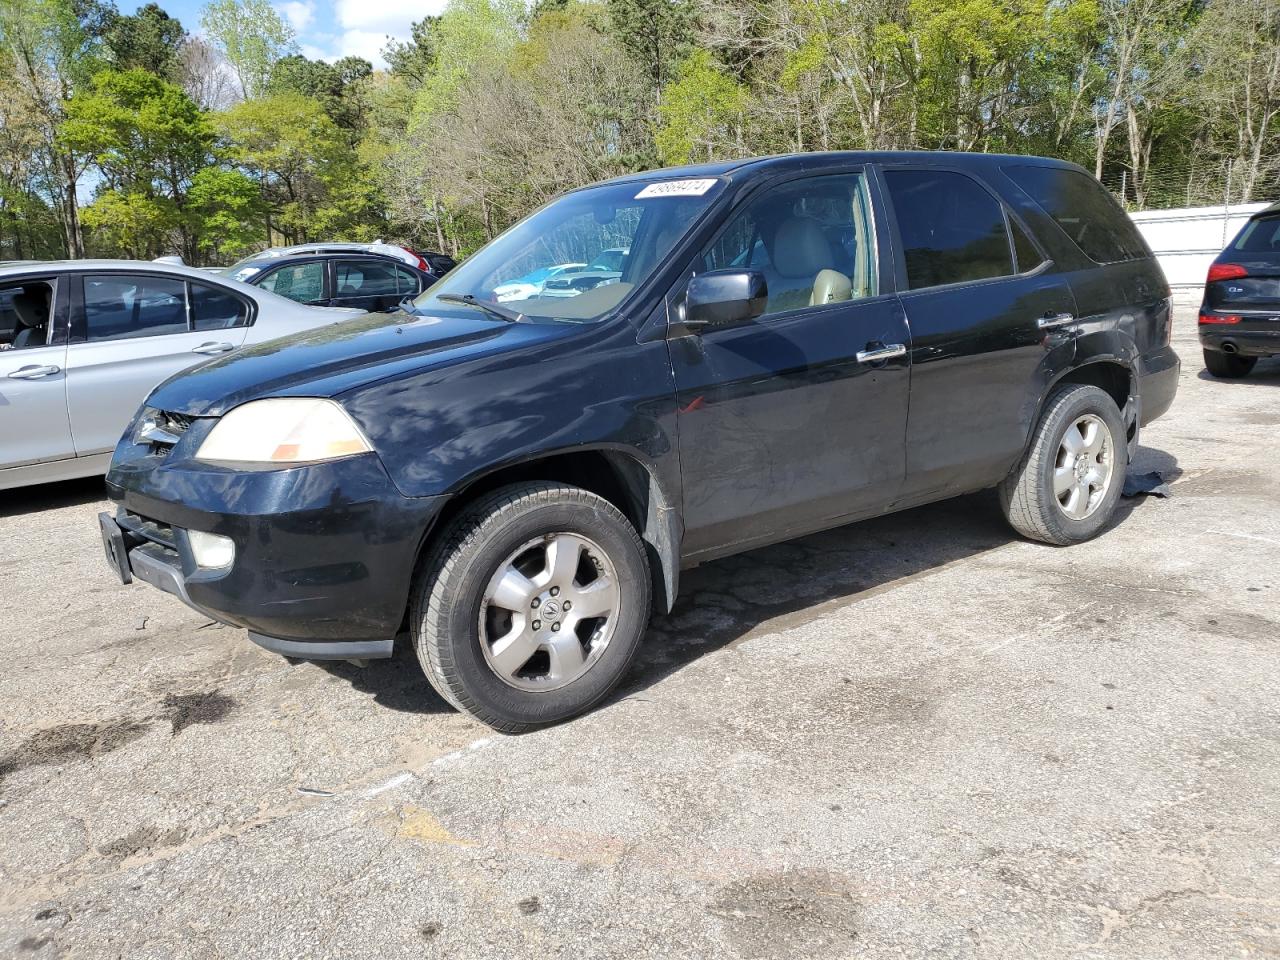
<point x="718" y="298"/>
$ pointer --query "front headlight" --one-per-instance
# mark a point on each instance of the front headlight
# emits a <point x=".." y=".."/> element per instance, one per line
<point x="284" y="430"/>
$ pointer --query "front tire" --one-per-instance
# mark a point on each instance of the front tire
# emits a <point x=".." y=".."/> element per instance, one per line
<point x="1067" y="485"/>
<point x="532" y="607"/>
<point x="1228" y="366"/>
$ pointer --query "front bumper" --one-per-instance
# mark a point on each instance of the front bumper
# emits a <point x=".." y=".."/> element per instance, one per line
<point x="324" y="553"/>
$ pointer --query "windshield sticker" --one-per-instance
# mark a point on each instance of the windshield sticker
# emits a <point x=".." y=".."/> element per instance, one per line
<point x="676" y="188"/>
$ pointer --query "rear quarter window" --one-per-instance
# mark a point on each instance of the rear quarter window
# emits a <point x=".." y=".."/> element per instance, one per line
<point x="1083" y="209"/>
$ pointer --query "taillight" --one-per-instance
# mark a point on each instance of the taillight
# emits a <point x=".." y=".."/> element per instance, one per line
<point x="1226" y="271"/>
<point x="1210" y="318"/>
<point x="422" y="264"/>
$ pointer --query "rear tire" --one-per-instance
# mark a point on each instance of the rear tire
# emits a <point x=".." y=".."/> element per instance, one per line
<point x="1228" y="366"/>
<point x="1066" y="487"/>
<point x="494" y="619"/>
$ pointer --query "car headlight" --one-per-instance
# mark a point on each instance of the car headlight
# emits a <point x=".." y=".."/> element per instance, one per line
<point x="284" y="430"/>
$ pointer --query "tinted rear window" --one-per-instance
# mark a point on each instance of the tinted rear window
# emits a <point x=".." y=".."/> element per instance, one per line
<point x="1082" y="208"/>
<point x="1260" y="235"/>
<point x="952" y="229"/>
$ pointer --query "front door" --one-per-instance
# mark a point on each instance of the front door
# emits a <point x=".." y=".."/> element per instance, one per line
<point x="130" y="332"/>
<point x="369" y="284"/>
<point x="33" y="380"/>
<point x="990" y="319"/>
<point x="783" y="429"/>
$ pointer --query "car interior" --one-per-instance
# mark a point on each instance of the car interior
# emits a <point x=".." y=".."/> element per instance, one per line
<point x="25" y="312"/>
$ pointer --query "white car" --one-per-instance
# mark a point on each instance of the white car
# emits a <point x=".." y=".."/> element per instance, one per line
<point x="531" y="284"/>
<point x="82" y="343"/>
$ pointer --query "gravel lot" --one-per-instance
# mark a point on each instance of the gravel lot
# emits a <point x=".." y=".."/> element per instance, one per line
<point x="916" y="736"/>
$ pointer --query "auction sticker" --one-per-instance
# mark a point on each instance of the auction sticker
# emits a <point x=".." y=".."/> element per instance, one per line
<point x="676" y="188"/>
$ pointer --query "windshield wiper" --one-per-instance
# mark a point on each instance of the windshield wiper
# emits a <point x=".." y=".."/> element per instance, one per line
<point x="497" y="309"/>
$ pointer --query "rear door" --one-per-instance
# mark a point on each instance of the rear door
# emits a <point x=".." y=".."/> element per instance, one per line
<point x="130" y="332"/>
<point x="989" y="318"/>
<point x="34" y="426"/>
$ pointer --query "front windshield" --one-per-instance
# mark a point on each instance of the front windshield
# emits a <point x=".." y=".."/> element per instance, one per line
<point x="579" y="256"/>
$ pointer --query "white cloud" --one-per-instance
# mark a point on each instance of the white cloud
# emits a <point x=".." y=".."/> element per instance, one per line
<point x="384" y="16"/>
<point x="300" y="13"/>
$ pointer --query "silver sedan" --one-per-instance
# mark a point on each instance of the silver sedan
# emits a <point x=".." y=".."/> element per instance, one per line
<point x="82" y="343"/>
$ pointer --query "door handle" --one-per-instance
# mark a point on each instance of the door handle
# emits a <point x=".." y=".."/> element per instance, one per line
<point x="1051" y="320"/>
<point x="213" y="347"/>
<point x="887" y="352"/>
<point x="33" y="372"/>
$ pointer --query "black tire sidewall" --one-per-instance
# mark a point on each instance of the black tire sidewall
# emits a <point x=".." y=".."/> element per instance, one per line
<point x="460" y="594"/>
<point x="1227" y="365"/>
<point x="1086" y="400"/>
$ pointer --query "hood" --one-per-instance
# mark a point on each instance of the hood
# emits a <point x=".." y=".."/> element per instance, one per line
<point x="329" y="360"/>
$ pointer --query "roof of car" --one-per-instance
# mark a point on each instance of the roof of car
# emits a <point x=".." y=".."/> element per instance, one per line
<point x="1269" y="211"/>
<point x="786" y="161"/>
<point x="35" y="268"/>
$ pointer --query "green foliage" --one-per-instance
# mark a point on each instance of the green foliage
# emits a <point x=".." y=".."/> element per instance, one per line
<point x="657" y="33"/>
<point x="470" y="36"/>
<point x="338" y="87"/>
<point x="701" y="113"/>
<point x="147" y="40"/>
<point x="413" y="59"/>
<point x="252" y="36"/>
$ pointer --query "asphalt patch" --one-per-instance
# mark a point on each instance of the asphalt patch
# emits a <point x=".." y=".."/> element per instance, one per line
<point x="794" y="913"/>
<point x="188" y="709"/>
<point x="70" y="741"/>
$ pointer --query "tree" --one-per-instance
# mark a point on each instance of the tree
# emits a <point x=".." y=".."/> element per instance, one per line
<point x="701" y="114"/>
<point x="336" y="86"/>
<point x="252" y="36"/>
<point x="413" y="59"/>
<point x="148" y="40"/>
<point x="148" y="140"/>
<point x="657" y="33"/>
<point x="49" y="48"/>
<point x="227" y="213"/>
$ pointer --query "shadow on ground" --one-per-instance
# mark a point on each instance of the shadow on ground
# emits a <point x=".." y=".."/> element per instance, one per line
<point x="51" y="496"/>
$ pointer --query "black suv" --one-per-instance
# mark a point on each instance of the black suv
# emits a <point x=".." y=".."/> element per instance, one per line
<point x="1240" y="316"/>
<point x="340" y="275"/>
<point x="791" y="344"/>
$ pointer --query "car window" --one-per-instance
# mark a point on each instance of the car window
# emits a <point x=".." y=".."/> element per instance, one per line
<point x="216" y="309"/>
<point x="365" y="278"/>
<point x="811" y="239"/>
<point x="303" y="282"/>
<point x="407" y="281"/>
<point x="952" y="229"/>
<point x="1088" y="214"/>
<point x="632" y="225"/>
<point x="1024" y="250"/>
<point x="1261" y="235"/>
<point x="26" y="310"/>
<point x="119" y="307"/>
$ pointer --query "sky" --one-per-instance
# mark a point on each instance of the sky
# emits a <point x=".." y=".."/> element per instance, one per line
<point x="329" y="29"/>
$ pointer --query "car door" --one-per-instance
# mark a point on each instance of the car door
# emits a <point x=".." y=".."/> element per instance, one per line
<point x="368" y="283"/>
<point x="130" y="331"/>
<point x="302" y="282"/>
<point x="790" y="422"/>
<point x="34" y="426"/>
<point x="989" y="316"/>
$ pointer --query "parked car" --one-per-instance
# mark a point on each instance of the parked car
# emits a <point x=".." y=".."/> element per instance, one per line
<point x="83" y="342"/>
<point x="433" y="262"/>
<point x="604" y="268"/>
<point x="1240" y="315"/>
<point x="794" y="343"/>
<point x="531" y="283"/>
<point x="336" y="275"/>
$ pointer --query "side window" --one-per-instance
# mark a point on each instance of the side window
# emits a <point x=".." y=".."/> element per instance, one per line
<point x="1024" y="251"/>
<point x="119" y="307"/>
<point x="303" y="282"/>
<point x="216" y="309"/>
<point x="26" y="312"/>
<point x="407" y="282"/>
<point x="952" y="229"/>
<point x="811" y="239"/>
<point x="1083" y="209"/>
<point x="365" y="278"/>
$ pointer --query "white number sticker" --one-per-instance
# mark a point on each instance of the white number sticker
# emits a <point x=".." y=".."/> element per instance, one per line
<point x="676" y="188"/>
